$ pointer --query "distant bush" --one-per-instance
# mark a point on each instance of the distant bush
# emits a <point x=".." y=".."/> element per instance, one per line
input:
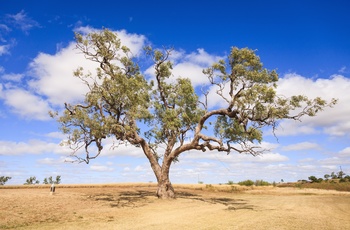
<point x="209" y="187"/>
<point x="230" y="182"/>
<point x="261" y="183"/>
<point x="330" y="185"/>
<point x="246" y="182"/>
<point x="4" y="179"/>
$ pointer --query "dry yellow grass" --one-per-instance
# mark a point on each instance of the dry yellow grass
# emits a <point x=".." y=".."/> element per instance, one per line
<point x="134" y="206"/>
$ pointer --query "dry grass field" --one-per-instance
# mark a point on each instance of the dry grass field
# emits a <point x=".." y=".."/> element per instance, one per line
<point x="134" y="206"/>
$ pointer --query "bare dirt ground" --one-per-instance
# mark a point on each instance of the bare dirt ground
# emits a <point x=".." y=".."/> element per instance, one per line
<point x="134" y="206"/>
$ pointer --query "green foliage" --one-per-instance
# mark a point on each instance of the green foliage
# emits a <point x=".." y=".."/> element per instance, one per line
<point x="58" y="180"/>
<point x="51" y="181"/>
<point x="313" y="179"/>
<point x="230" y="182"/>
<point x="31" y="181"/>
<point x="256" y="183"/>
<point x="261" y="183"/>
<point x="326" y="176"/>
<point x="4" y="179"/>
<point x="246" y="182"/>
<point x="341" y="176"/>
<point x="330" y="185"/>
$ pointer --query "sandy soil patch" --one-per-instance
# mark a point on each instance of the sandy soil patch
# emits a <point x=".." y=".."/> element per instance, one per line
<point x="134" y="206"/>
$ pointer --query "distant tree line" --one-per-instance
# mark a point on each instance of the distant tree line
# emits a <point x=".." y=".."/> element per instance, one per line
<point x="32" y="180"/>
<point x="49" y="180"/>
<point x="339" y="176"/>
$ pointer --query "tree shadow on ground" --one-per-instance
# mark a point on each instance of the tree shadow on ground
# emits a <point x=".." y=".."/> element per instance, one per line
<point x="141" y="198"/>
<point x="232" y="204"/>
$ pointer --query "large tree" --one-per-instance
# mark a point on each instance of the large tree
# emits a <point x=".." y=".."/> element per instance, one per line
<point x="168" y="112"/>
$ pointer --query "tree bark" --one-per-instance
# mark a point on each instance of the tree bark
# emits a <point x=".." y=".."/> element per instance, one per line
<point x="165" y="188"/>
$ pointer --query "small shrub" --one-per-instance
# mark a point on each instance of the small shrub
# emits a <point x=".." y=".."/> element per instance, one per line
<point x="230" y="182"/>
<point x="246" y="182"/>
<point x="208" y="186"/>
<point x="261" y="183"/>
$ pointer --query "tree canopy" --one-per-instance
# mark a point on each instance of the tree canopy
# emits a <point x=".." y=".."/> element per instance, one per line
<point x="168" y="111"/>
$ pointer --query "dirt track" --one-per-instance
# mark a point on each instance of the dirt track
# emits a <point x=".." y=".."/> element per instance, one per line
<point x="197" y="207"/>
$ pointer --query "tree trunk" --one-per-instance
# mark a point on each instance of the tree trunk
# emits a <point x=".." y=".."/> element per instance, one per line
<point x="165" y="190"/>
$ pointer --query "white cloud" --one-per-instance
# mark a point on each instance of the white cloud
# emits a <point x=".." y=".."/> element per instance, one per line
<point x="54" y="75"/>
<point x="26" y="104"/>
<point x="57" y="135"/>
<point x="53" y="81"/>
<point x="333" y="121"/>
<point x="4" y="49"/>
<point x="50" y="161"/>
<point x="203" y="58"/>
<point x="134" y="42"/>
<point x="13" y="77"/>
<point x="101" y="168"/>
<point x="190" y="65"/>
<point x="290" y="127"/>
<point x="112" y="148"/>
<point x="22" y="21"/>
<point x="31" y="147"/>
<point x="301" y="146"/>
<point x="235" y="157"/>
<point x="2" y="94"/>
<point x="269" y="158"/>
<point x="345" y="152"/>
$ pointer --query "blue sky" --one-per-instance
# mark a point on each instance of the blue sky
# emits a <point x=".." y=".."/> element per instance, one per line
<point x="306" y="41"/>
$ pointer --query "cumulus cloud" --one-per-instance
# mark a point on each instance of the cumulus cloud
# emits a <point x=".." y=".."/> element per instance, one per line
<point x="31" y="147"/>
<point x="301" y="146"/>
<point x="52" y="81"/>
<point x="49" y="161"/>
<point x="345" y="152"/>
<point x="53" y="75"/>
<point x="26" y="104"/>
<point x="332" y="121"/>
<point x="235" y="157"/>
<point x="13" y="77"/>
<point x="190" y="65"/>
<point x="114" y="148"/>
<point x="101" y="168"/>
<point x="135" y="42"/>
